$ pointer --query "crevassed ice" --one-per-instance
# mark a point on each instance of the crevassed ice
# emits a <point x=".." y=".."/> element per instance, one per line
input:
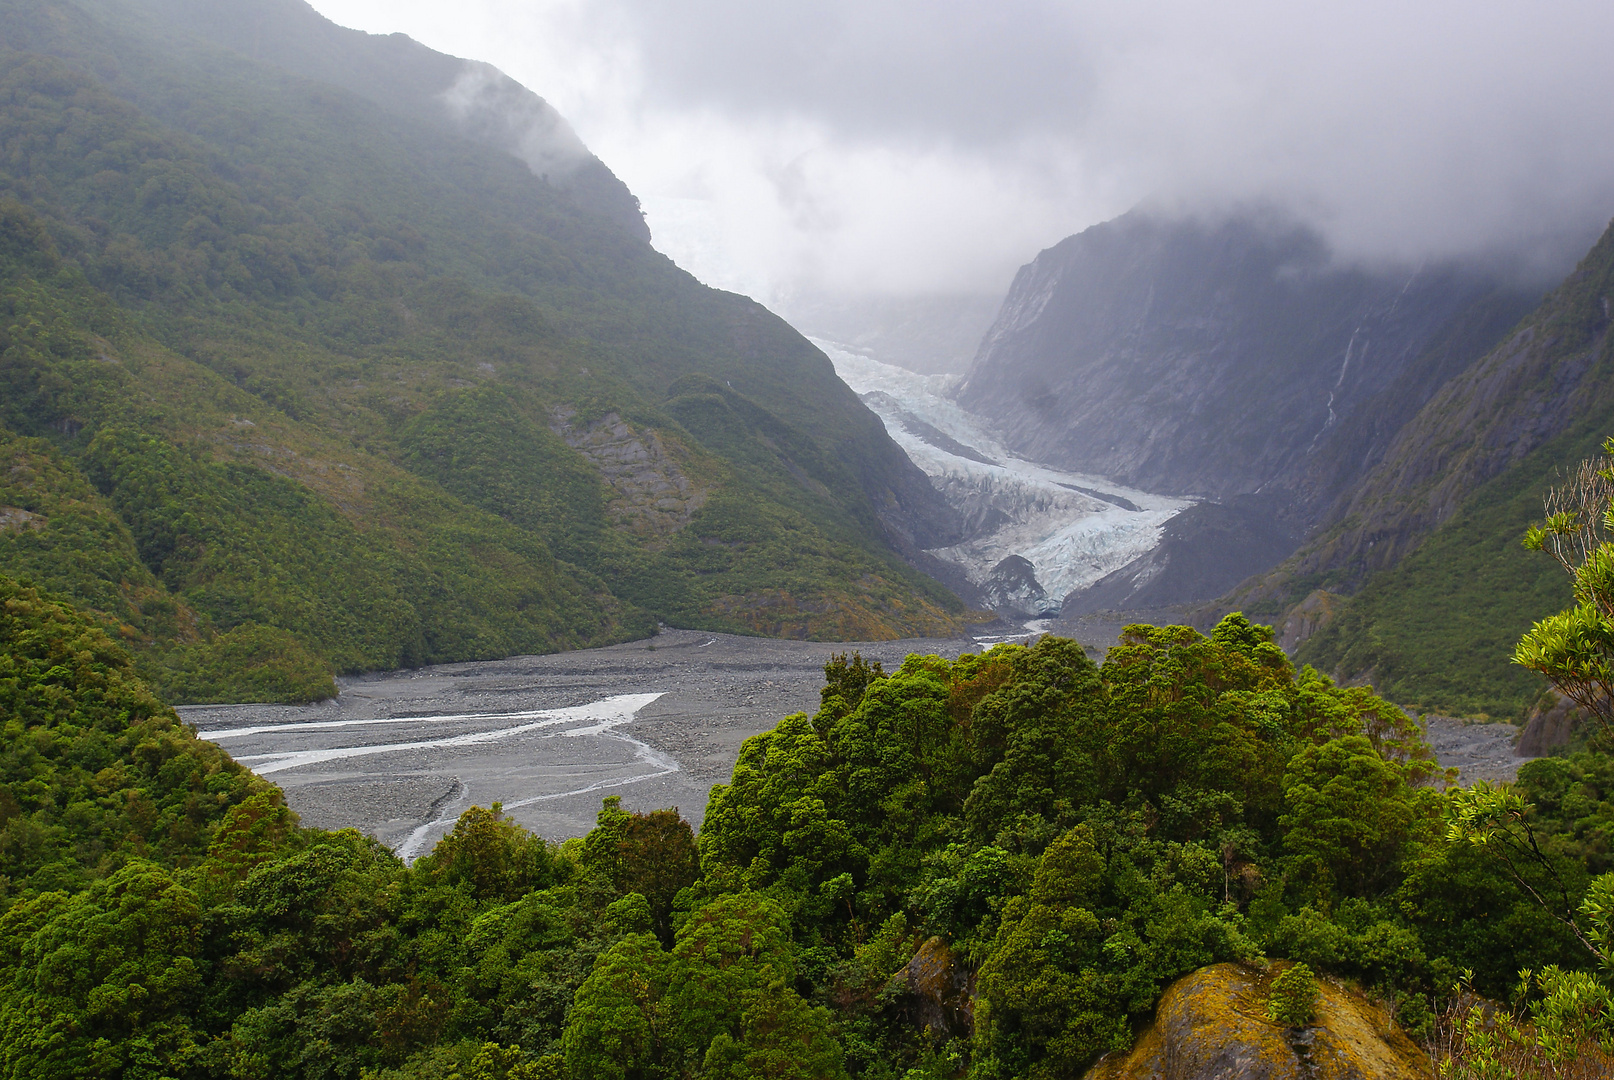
<point x="1070" y="538"/>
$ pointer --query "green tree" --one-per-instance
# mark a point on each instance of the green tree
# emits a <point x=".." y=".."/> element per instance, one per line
<point x="1292" y="998"/>
<point x="107" y="982"/>
<point x="1575" y="648"/>
<point x="1348" y="816"/>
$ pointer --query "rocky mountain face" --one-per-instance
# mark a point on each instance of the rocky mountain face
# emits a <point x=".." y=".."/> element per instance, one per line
<point x="1549" y="376"/>
<point x="1215" y="360"/>
<point x="1224" y="361"/>
<point x="1437" y="589"/>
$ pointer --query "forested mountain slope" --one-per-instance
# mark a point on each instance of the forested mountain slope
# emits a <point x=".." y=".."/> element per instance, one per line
<point x="297" y="382"/>
<point x="1432" y="534"/>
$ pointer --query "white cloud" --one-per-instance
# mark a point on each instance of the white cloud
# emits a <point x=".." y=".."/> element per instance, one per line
<point x="906" y="146"/>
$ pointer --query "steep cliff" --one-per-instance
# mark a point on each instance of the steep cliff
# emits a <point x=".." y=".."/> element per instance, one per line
<point x="1218" y="359"/>
<point x="1427" y="541"/>
<point x="1550" y="376"/>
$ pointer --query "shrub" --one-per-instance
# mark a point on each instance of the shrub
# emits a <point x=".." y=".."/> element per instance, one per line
<point x="1292" y="999"/>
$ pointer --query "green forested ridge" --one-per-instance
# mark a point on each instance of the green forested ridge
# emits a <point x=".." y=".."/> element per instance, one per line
<point x="1437" y="629"/>
<point x="1430" y="540"/>
<point x="295" y="384"/>
<point x="1073" y="836"/>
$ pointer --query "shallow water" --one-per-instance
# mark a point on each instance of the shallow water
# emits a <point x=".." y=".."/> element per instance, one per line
<point x="400" y="755"/>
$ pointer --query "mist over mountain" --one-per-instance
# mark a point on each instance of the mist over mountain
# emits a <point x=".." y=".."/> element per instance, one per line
<point x="928" y="334"/>
<point x="1222" y="359"/>
<point x="326" y="352"/>
<point x="1235" y="360"/>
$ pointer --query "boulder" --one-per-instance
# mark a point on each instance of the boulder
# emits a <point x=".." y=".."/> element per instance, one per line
<point x="940" y="991"/>
<point x="1213" y="1025"/>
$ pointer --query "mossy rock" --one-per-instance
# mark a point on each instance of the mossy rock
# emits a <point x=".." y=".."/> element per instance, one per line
<point x="1213" y="1025"/>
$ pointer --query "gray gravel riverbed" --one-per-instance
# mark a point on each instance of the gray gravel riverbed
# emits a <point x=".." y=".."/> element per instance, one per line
<point x="401" y="754"/>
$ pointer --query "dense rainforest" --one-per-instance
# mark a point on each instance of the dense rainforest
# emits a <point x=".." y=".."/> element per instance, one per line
<point x="296" y="381"/>
<point x="1061" y="839"/>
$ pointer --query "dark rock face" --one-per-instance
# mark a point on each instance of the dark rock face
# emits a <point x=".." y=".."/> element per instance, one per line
<point x="1204" y="551"/>
<point x="1219" y="360"/>
<point x="1013" y="589"/>
<point x="1547" y="376"/>
<point x="1550" y="727"/>
<point x="940" y="991"/>
<point x="1553" y="373"/>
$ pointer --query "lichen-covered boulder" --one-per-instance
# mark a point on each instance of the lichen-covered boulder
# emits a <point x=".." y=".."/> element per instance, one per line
<point x="1213" y="1025"/>
<point x="941" y="991"/>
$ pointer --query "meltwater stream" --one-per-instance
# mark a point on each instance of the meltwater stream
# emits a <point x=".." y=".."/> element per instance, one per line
<point x="522" y="734"/>
<point x="401" y="755"/>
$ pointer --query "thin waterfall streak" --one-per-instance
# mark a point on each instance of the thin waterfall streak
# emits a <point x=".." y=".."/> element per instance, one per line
<point x="1339" y="381"/>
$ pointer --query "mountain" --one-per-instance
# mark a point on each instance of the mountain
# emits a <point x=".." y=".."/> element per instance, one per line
<point x="1233" y="361"/>
<point x="1214" y="360"/>
<point x="1428" y="540"/>
<point x="325" y="352"/>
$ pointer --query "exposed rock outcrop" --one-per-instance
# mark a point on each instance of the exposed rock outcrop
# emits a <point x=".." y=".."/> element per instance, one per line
<point x="1213" y="1025"/>
<point x="653" y="496"/>
<point x="1550" y="726"/>
<point x="1313" y="613"/>
<point x="941" y="991"/>
<point x="1013" y="589"/>
<point x="1218" y="359"/>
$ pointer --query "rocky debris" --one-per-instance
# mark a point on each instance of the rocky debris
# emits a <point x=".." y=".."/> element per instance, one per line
<point x="653" y="494"/>
<point x="1012" y="588"/>
<point x="940" y="991"/>
<point x="389" y="807"/>
<point x="1212" y="1025"/>
<point x="1479" y="750"/>
<point x="717" y="690"/>
<point x="16" y="519"/>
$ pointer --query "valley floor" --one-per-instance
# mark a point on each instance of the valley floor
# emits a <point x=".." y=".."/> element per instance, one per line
<point x="400" y="755"/>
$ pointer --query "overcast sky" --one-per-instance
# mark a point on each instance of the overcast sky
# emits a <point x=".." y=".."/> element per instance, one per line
<point x="911" y="146"/>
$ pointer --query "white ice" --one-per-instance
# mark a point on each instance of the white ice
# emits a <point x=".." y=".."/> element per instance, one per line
<point x="1070" y="539"/>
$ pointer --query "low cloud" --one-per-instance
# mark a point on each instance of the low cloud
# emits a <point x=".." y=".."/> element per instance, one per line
<point x="904" y="147"/>
<point x="496" y="109"/>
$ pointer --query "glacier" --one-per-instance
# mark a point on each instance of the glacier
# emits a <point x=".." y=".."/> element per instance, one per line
<point x="1071" y="528"/>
